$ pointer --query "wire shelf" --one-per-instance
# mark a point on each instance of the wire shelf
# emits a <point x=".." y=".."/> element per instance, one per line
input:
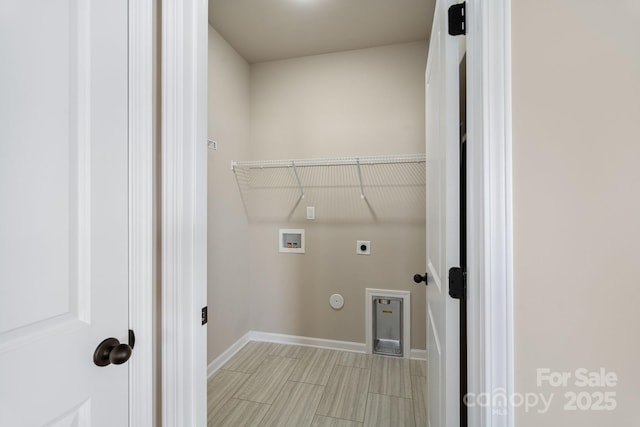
<point x="343" y="189"/>
<point x="331" y="161"/>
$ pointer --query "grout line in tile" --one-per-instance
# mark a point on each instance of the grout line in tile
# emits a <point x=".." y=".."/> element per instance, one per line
<point x="315" y="413"/>
<point x="300" y="360"/>
<point x="282" y="388"/>
<point x="366" y="407"/>
<point x="339" y="419"/>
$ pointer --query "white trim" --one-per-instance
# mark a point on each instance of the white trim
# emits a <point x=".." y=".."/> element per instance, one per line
<point x="217" y="363"/>
<point x="271" y="337"/>
<point x="418" y="354"/>
<point x="490" y="254"/>
<point x="183" y="212"/>
<point x="490" y="251"/>
<point x="371" y="293"/>
<point x="355" y="347"/>
<point x="141" y="364"/>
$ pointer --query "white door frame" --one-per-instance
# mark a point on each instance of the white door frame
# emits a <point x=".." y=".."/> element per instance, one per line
<point x="489" y="209"/>
<point x="184" y="212"/>
<point x="141" y="166"/>
<point x="490" y="280"/>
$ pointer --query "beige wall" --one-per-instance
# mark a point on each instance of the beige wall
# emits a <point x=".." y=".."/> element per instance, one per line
<point x="576" y="183"/>
<point x="356" y="103"/>
<point x="360" y="102"/>
<point x="365" y="102"/>
<point x="228" y="234"/>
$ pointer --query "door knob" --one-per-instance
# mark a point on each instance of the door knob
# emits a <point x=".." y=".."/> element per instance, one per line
<point x="112" y="351"/>
<point x="420" y="278"/>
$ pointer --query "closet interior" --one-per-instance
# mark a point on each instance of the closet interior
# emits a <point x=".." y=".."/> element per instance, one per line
<point x="316" y="123"/>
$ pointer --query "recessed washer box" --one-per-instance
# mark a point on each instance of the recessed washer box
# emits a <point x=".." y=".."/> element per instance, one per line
<point x="291" y="240"/>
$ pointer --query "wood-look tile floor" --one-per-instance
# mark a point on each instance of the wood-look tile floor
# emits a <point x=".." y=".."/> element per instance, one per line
<point x="267" y="384"/>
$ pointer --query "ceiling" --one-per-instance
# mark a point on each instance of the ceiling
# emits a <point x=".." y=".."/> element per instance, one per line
<point x="266" y="30"/>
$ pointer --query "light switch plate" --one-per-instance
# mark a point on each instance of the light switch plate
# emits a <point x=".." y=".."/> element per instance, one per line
<point x="311" y="212"/>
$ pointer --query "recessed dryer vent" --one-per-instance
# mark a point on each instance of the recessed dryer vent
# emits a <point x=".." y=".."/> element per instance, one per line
<point x="388" y="324"/>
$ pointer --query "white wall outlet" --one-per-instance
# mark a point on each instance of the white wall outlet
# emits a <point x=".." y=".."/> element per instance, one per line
<point x="363" y="247"/>
<point x="311" y="212"/>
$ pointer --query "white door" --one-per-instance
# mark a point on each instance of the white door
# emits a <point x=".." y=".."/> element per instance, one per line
<point x="443" y="189"/>
<point x="63" y="211"/>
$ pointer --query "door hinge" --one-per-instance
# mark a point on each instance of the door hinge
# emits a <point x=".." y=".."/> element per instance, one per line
<point x="205" y="317"/>
<point x="458" y="19"/>
<point x="457" y="283"/>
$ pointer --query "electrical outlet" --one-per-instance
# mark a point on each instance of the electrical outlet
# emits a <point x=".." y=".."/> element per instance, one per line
<point x="363" y="247"/>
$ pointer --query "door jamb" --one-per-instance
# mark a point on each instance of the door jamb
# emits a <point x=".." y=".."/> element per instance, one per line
<point x="490" y="233"/>
<point x="489" y="201"/>
<point x="184" y="211"/>
<point x="141" y="159"/>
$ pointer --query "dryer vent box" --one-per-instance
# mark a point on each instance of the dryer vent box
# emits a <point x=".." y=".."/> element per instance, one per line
<point x="387" y="326"/>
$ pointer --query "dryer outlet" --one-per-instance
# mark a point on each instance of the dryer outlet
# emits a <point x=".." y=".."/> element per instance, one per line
<point x="363" y="247"/>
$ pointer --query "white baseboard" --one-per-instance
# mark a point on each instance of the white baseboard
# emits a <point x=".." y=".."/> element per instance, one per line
<point x="228" y="354"/>
<point x="355" y="347"/>
<point x="308" y="342"/>
<point x="418" y="354"/>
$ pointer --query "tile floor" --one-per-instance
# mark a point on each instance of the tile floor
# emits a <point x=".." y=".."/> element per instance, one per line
<point x="267" y="384"/>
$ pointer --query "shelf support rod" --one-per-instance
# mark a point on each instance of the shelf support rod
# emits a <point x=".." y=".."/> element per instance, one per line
<point x="360" y="178"/>
<point x="295" y="172"/>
